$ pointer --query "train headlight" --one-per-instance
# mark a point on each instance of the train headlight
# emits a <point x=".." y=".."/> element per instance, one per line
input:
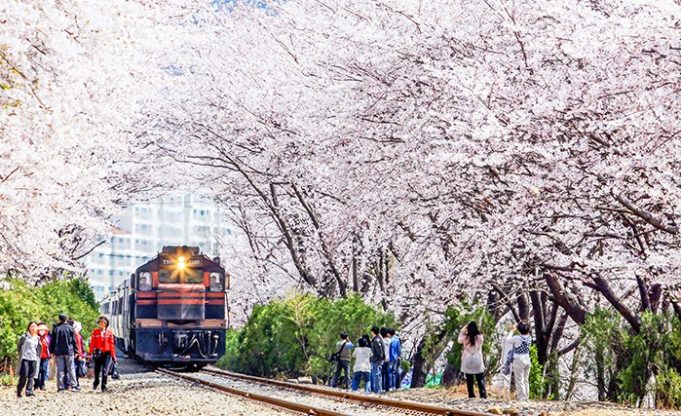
<point x="144" y="282"/>
<point x="181" y="263"/>
<point x="217" y="282"/>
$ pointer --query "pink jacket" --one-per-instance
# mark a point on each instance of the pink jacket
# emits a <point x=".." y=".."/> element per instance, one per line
<point x="471" y="357"/>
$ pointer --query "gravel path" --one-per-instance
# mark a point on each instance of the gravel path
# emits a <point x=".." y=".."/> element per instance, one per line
<point x="138" y="392"/>
<point x="453" y="397"/>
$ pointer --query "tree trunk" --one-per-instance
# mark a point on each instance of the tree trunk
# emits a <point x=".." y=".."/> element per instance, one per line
<point x="573" y="309"/>
<point x="451" y="375"/>
<point x="419" y="363"/>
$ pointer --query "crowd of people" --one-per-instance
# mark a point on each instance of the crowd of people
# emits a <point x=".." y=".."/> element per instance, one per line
<point x="66" y="346"/>
<point x="376" y="357"/>
<point x="377" y="361"/>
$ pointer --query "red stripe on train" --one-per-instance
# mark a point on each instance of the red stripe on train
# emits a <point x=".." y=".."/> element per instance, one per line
<point x="169" y="302"/>
<point x="182" y="302"/>
<point x="146" y="295"/>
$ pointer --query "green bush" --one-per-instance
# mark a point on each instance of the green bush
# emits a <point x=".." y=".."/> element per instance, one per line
<point x="623" y="361"/>
<point x="536" y="375"/>
<point x="603" y="336"/>
<point x="7" y="380"/>
<point x="295" y="335"/>
<point x="23" y="303"/>
<point x="668" y="389"/>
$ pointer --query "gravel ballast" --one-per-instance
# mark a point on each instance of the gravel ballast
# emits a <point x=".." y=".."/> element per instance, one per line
<point x="138" y="392"/>
<point x="453" y="397"/>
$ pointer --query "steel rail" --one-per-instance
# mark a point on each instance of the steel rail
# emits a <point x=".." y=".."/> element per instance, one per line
<point x="285" y="404"/>
<point x="381" y="401"/>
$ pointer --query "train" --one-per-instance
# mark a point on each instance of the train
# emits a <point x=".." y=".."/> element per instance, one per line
<point x="171" y="311"/>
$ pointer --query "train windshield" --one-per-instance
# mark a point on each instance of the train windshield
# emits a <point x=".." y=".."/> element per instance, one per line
<point x="181" y="276"/>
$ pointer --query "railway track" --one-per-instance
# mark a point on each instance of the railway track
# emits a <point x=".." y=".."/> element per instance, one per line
<point x="272" y="401"/>
<point x="335" y="402"/>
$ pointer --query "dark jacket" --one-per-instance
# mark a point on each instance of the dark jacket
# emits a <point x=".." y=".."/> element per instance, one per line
<point x="377" y="349"/>
<point x="63" y="340"/>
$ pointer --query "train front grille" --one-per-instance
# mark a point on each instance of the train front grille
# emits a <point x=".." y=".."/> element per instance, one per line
<point x="182" y="304"/>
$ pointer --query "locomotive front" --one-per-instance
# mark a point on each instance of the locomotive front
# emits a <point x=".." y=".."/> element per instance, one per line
<point x="179" y="308"/>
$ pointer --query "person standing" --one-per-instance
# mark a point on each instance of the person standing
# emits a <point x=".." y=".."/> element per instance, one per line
<point x="44" y="365"/>
<point x="472" y="363"/>
<point x="377" y="358"/>
<point x="385" y="367"/>
<point x="79" y="356"/>
<point x="29" y="356"/>
<point x="63" y="347"/>
<point x="362" y="368"/>
<point x="342" y="357"/>
<point x="506" y="364"/>
<point x="102" y="350"/>
<point x="395" y="355"/>
<point x="521" y="360"/>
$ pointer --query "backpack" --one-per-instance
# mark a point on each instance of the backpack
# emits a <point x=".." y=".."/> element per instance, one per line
<point x="20" y="344"/>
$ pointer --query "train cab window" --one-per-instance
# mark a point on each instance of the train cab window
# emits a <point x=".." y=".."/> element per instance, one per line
<point x="167" y="276"/>
<point x="193" y="276"/>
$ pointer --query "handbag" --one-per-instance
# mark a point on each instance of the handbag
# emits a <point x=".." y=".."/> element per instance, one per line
<point x="335" y="357"/>
<point x="507" y="364"/>
<point x="82" y="368"/>
<point x="113" y="370"/>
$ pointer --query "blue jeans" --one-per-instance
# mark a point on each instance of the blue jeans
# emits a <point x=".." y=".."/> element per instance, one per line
<point x="341" y="366"/>
<point x="357" y="377"/>
<point x="43" y="372"/>
<point x="66" y="372"/>
<point x="394" y="374"/>
<point x="376" y="370"/>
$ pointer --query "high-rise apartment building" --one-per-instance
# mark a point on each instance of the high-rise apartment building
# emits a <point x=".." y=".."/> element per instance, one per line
<point x="145" y="228"/>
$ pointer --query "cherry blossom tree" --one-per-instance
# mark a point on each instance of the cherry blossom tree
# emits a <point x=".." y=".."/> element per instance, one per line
<point x="520" y="154"/>
<point x="71" y="77"/>
<point x="419" y="152"/>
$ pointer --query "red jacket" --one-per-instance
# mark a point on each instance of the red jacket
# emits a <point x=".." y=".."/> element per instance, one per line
<point x="103" y="341"/>
<point x="45" y="346"/>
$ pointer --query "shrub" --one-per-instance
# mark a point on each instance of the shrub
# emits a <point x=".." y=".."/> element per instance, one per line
<point x="295" y="335"/>
<point x="623" y="361"/>
<point x="23" y="303"/>
<point x="536" y="375"/>
<point x="668" y="389"/>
